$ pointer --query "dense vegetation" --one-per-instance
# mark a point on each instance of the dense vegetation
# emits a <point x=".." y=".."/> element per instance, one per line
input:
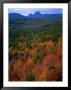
<point x="35" y="49"/>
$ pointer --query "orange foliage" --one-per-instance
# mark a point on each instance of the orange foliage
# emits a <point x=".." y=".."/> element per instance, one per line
<point x="13" y="52"/>
<point x="40" y="72"/>
<point x="47" y="69"/>
<point x="32" y="51"/>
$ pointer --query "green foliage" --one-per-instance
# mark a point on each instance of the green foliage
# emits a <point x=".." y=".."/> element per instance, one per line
<point x="28" y="44"/>
<point x="36" y="57"/>
<point x="38" y="29"/>
<point x="30" y="78"/>
<point x="26" y="55"/>
<point x="53" y="49"/>
<point x="52" y="67"/>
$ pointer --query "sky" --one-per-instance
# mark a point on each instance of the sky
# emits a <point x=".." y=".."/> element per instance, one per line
<point x="27" y="11"/>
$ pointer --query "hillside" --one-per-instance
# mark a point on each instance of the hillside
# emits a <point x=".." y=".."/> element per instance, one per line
<point x="36" y="21"/>
<point x="35" y="47"/>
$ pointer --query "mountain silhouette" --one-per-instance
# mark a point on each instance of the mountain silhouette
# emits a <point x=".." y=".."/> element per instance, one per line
<point x="15" y="16"/>
<point x="37" y="15"/>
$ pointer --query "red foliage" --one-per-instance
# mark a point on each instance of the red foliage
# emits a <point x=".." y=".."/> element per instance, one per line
<point x="48" y="68"/>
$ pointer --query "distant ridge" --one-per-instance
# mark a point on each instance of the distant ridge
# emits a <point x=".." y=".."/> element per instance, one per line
<point x="37" y="15"/>
<point x="15" y="16"/>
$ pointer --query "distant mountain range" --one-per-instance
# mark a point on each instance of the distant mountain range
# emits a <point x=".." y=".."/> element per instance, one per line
<point x="49" y="16"/>
<point x="36" y="21"/>
<point x="34" y="16"/>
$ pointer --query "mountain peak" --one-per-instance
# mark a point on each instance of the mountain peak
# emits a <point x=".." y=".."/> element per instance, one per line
<point x="33" y="16"/>
<point x="37" y="13"/>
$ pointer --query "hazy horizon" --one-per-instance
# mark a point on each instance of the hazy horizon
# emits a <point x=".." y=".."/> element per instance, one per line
<point x="27" y="11"/>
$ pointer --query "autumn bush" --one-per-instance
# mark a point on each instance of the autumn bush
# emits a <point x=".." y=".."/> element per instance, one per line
<point x="39" y="63"/>
<point x="36" y="55"/>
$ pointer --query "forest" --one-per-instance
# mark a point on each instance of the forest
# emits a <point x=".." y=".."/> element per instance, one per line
<point x="35" y="49"/>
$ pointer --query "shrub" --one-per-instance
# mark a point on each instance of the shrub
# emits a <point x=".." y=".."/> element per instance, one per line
<point x="36" y="57"/>
<point x="30" y="78"/>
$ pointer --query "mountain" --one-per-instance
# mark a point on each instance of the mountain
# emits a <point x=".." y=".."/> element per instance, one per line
<point x="35" y="15"/>
<point x="49" y="16"/>
<point x="36" y="21"/>
<point x="13" y="17"/>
